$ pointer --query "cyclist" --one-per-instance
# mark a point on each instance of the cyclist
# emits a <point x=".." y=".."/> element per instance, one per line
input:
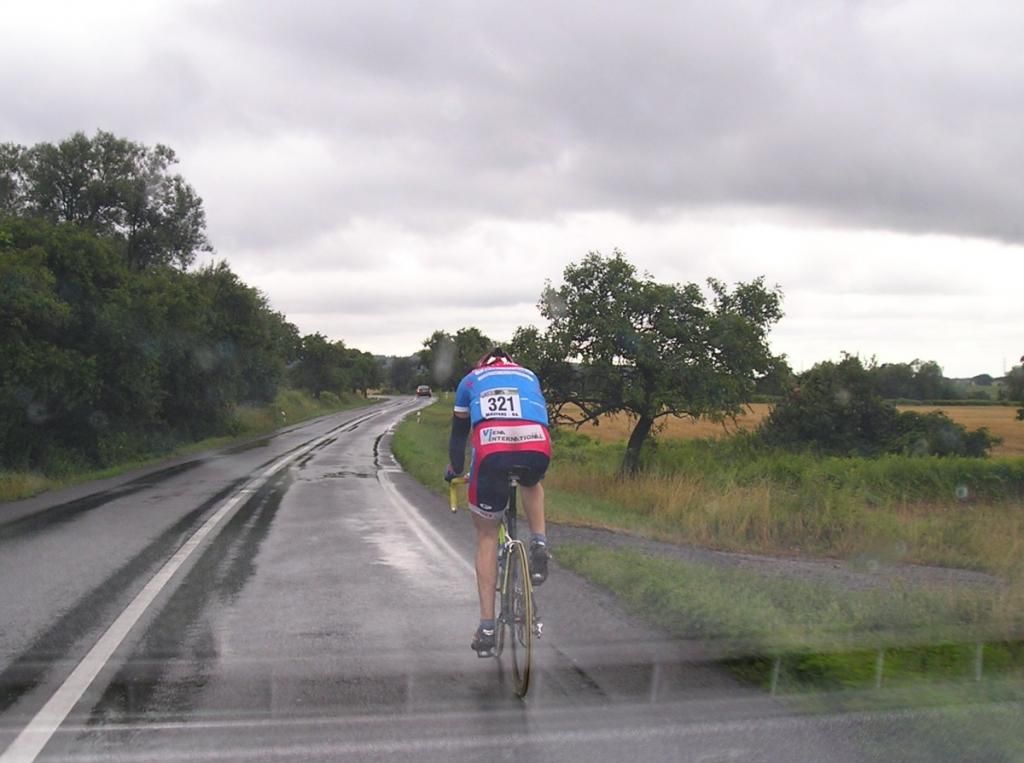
<point x="501" y="405"/>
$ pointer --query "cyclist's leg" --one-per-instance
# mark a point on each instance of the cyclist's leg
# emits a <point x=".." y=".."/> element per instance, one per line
<point x="535" y="465"/>
<point x="486" y="562"/>
<point x="533" y="506"/>
<point x="488" y="488"/>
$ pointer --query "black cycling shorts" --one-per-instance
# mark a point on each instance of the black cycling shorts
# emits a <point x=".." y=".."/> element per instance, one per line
<point x="490" y="478"/>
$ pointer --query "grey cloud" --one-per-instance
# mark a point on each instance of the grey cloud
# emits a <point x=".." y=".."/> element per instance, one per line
<point x="886" y="283"/>
<point x="892" y="115"/>
<point x="485" y="109"/>
<point x="358" y="303"/>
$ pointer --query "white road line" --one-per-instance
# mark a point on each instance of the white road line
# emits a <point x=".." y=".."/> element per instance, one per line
<point x="34" y="737"/>
<point x="426" y="532"/>
<point x="432" y="540"/>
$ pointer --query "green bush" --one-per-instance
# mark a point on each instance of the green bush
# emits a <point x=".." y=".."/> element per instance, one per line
<point x="935" y="434"/>
<point x="836" y="410"/>
<point x="329" y="399"/>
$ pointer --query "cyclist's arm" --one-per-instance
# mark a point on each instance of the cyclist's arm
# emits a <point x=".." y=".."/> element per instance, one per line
<point x="457" y="441"/>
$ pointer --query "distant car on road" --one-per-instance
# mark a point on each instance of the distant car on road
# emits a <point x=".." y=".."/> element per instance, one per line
<point x="423" y="391"/>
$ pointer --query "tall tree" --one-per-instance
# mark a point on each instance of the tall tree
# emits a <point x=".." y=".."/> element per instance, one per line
<point x="12" y="178"/>
<point x="470" y="345"/>
<point x="363" y="370"/>
<point x="401" y="373"/>
<point x="321" y="366"/>
<point x="41" y="378"/>
<point x="652" y="350"/>
<point x="1014" y="383"/>
<point x="112" y="186"/>
<point x="450" y="357"/>
<point x="894" y="380"/>
<point x="249" y="342"/>
<point x="1014" y="386"/>
<point x="929" y="383"/>
<point x="438" y="358"/>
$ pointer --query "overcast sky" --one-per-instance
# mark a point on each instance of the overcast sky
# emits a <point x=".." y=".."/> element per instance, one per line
<point x="382" y="169"/>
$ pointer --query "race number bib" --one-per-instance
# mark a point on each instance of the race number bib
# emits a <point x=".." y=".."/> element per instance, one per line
<point x="500" y="404"/>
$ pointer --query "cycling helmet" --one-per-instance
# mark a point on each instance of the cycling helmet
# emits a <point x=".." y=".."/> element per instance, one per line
<point x="494" y="356"/>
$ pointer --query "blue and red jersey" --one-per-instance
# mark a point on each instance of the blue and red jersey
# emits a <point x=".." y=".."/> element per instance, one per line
<point x="506" y="410"/>
<point x="501" y="392"/>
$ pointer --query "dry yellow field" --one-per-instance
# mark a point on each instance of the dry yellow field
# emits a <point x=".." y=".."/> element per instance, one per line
<point x="1001" y="420"/>
<point x="618" y="427"/>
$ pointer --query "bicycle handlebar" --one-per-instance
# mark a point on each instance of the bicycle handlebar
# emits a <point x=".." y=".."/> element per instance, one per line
<point x="453" y="493"/>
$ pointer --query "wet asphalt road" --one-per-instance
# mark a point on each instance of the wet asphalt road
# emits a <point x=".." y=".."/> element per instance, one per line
<point x="329" y="618"/>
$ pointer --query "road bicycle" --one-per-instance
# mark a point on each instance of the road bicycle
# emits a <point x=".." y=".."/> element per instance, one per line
<point x="517" y="619"/>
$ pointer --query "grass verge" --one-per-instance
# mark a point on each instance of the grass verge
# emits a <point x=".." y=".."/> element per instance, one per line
<point x="742" y="613"/>
<point x="420" y="444"/>
<point x="290" y="407"/>
<point x="832" y="650"/>
<point x="816" y="517"/>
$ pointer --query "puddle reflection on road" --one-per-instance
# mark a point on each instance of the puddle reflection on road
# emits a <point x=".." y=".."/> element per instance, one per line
<point x="400" y="549"/>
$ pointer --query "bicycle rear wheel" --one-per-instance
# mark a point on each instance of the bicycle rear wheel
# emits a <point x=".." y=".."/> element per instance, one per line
<point x="520" y="616"/>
